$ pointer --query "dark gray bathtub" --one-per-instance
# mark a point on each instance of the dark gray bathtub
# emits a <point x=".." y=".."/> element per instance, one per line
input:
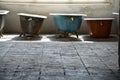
<point x="2" y="20"/>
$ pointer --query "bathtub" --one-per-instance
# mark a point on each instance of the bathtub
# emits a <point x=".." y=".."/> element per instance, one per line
<point x="99" y="27"/>
<point x="118" y="27"/>
<point x="68" y="23"/>
<point x="2" y="20"/>
<point x="30" y="24"/>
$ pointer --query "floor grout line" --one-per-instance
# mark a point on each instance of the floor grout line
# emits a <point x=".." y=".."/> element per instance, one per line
<point x="82" y="61"/>
<point x="62" y="49"/>
<point x="6" y="51"/>
<point x="40" y="72"/>
<point x="107" y="66"/>
<point x="62" y="63"/>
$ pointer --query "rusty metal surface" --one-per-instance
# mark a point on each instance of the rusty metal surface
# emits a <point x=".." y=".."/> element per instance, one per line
<point x="100" y="28"/>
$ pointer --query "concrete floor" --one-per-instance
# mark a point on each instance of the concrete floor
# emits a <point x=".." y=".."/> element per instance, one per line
<point x="51" y="58"/>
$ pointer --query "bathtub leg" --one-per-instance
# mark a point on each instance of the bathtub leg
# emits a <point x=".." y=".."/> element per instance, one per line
<point x="57" y="33"/>
<point x="1" y="35"/>
<point x="76" y="34"/>
<point x="22" y="35"/>
<point x="66" y="34"/>
<point x="63" y="34"/>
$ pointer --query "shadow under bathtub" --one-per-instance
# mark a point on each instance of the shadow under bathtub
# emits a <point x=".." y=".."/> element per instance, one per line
<point x="63" y="39"/>
<point x="110" y="38"/>
<point x="18" y="38"/>
<point x="66" y="39"/>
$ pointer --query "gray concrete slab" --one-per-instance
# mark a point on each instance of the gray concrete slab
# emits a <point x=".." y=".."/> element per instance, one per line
<point x="51" y="58"/>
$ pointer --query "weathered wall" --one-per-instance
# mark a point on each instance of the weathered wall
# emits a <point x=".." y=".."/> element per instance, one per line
<point x="92" y="10"/>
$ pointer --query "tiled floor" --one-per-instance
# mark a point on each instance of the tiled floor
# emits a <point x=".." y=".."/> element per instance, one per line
<point x="51" y="58"/>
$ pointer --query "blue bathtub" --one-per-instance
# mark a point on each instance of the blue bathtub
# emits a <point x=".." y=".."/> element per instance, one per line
<point x="68" y="23"/>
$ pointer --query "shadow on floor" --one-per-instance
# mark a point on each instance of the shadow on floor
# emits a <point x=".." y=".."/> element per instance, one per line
<point x="89" y="38"/>
<point x="64" y="39"/>
<point x="83" y="38"/>
<point x="27" y="38"/>
<point x="73" y="38"/>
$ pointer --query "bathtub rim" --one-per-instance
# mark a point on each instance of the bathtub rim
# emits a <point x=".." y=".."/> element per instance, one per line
<point x="67" y="14"/>
<point x="99" y="19"/>
<point x="31" y="15"/>
<point x="3" y="12"/>
<point x="116" y="13"/>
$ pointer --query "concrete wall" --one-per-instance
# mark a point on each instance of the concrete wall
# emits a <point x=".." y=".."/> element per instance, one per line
<point x="92" y="10"/>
